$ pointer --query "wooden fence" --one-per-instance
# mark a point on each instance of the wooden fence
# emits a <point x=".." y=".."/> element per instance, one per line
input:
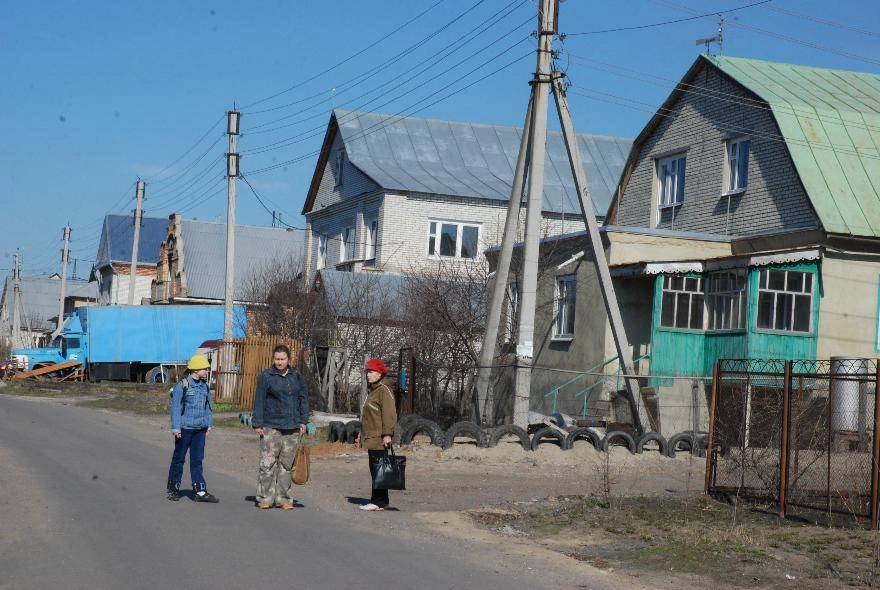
<point x="237" y="380"/>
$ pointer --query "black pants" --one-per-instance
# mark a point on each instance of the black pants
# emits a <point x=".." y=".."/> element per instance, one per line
<point x="377" y="497"/>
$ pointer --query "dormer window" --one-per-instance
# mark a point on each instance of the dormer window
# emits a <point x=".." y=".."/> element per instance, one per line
<point x="736" y="165"/>
<point x="339" y="167"/>
<point x="670" y="180"/>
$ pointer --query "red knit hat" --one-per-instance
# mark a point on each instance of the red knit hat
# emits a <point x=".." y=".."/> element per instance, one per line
<point x="377" y="365"/>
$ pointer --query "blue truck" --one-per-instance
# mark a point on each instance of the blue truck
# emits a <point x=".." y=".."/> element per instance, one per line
<point x="131" y="343"/>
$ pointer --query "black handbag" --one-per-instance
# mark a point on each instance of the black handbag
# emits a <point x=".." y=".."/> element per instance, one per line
<point x="390" y="470"/>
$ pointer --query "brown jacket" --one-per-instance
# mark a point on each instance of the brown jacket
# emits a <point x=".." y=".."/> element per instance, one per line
<point x="378" y="416"/>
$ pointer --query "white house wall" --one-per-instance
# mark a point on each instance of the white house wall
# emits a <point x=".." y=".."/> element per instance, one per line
<point x="848" y="310"/>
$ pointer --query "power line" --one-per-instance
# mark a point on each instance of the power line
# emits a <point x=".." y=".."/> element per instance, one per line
<point x="668" y="22"/>
<point x="348" y="59"/>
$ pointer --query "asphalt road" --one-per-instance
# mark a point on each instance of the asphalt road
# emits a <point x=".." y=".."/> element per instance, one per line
<point x="82" y="506"/>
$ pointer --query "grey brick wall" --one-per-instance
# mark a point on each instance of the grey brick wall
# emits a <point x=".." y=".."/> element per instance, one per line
<point x="711" y="111"/>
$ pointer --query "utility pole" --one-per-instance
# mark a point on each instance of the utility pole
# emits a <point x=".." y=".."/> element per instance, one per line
<point x="16" y="301"/>
<point x="64" y="254"/>
<point x="535" y="136"/>
<point x="232" y="129"/>
<point x="526" y="333"/>
<point x="132" y="279"/>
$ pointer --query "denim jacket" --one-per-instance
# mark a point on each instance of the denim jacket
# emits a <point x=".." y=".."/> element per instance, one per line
<point x="191" y="409"/>
<point x="280" y="401"/>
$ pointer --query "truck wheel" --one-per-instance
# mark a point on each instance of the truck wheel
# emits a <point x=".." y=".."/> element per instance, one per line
<point x="156" y="375"/>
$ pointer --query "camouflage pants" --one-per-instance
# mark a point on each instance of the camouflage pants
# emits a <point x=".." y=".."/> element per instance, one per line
<point x="277" y="449"/>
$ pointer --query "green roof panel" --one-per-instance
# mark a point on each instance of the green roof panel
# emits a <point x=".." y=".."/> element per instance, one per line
<point x="830" y="120"/>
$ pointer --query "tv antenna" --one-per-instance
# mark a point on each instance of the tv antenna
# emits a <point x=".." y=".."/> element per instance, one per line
<point x="718" y="38"/>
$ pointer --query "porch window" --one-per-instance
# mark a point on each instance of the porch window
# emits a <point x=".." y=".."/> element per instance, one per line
<point x="682" y="302"/>
<point x="372" y="226"/>
<point x="566" y="286"/>
<point x="736" y="168"/>
<point x="785" y="300"/>
<point x="726" y="300"/>
<point x="670" y="180"/>
<point x="451" y="239"/>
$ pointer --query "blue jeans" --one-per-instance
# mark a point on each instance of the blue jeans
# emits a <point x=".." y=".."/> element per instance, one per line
<point x="192" y="440"/>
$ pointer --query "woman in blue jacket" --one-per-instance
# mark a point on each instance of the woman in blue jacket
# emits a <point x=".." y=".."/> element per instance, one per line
<point x="192" y="417"/>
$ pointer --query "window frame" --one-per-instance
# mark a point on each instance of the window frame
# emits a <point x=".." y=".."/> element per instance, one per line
<point x="346" y="241"/>
<point x="435" y="239"/>
<point x="511" y="311"/>
<point x="764" y="287"/>
<point x="667" y="286"/>
<point x="371" y="231"/>
<point x="565" y="299"/>
<point x="679" y="159"/>
<point x="322" y="252"/>
<point x="339" y="168"/>
<point x="736" y="165"/>
<point x="735" y="299"/>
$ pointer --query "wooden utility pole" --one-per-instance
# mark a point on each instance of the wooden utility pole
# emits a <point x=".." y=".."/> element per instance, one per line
<point x="64" y="254"/>
<point x="535" y="136"/>
<point x="132" y="277"/>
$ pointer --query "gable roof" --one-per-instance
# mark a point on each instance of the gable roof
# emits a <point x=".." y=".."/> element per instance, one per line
<point x="117" y="237"/>
<point x="204" y="255"/>
<point x="461" y="159"/>
<point x="830" y="120"/>
<point x="39" y="298"/>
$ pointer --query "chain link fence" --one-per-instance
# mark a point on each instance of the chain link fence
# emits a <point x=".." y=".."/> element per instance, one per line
<point x="797" y="434"/>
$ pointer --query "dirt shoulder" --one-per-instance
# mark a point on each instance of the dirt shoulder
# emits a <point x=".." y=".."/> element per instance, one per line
<point x="614" y="519"/>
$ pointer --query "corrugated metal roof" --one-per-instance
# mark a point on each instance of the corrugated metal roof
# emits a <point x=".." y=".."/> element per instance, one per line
<point x="473" y="160"/>
<point x="117" y="237"/>
<point x="39" y="298"/>
<point x="204" y="251"/>
<point x="344" y="294"/>
<point x="830" y="120"/>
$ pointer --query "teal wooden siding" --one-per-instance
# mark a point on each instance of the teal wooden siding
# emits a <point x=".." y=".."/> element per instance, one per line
<point x="685" y="353"/>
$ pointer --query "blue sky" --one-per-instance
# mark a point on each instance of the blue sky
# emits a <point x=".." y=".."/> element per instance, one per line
<point x="97" y="94"/>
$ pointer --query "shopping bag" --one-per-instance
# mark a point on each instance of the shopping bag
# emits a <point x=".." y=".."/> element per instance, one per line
<point x="390" y="471"/>
<point x="300" y="471"/>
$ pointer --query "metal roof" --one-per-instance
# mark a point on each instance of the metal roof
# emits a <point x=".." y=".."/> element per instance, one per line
<point x="256" y="248"/>
<point x="830" y="120"/>
<point x="39" y="298"/>
<point x="344" y="294"/>
<point x="473" y="160"/>
<point x="117" y="237"/>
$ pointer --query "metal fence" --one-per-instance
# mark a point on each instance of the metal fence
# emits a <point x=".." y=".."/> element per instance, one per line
<point x="797" y="434"/>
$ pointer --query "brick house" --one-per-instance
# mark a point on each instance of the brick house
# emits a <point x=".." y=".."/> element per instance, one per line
<point x="399" y="193"/>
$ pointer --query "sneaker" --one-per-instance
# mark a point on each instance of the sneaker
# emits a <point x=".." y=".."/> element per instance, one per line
<point x="206" y="497"/>
<point x="173" y="495"/>
<point x="371" y="508"/>
<point x="263" y="506"/>
<point x="286" y="506"/>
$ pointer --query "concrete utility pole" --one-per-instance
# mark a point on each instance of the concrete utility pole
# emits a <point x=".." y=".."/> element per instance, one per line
<point x="64" y="254"/>
<point x="486" y="402"/>
<point x="535" y="136"/>
<point x="132" y="278"/>
<point x="638" y="409"/>
<point x="232" y="129"/>
<point x="16" y="301"/>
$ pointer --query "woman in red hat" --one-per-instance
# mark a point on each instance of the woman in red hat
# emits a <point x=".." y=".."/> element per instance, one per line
<point x="378" y="418"/>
